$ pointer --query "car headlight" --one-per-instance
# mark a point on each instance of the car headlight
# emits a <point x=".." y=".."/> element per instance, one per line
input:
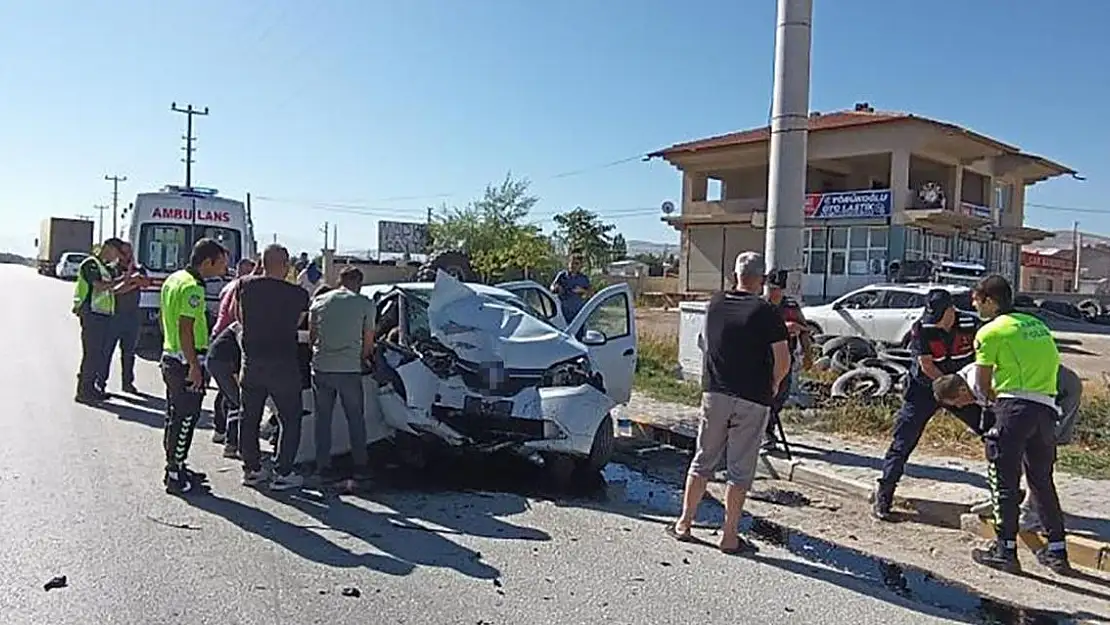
<point x="574" y="372"/>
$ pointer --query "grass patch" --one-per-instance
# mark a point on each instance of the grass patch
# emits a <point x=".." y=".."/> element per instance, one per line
<point x="1088" y="455"/>
<point x="657" y="372"/>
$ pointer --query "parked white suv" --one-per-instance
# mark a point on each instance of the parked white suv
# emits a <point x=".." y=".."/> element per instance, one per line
<point x="881" y="312"/>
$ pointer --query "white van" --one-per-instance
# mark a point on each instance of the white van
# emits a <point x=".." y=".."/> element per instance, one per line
<point x="164" y="226"/>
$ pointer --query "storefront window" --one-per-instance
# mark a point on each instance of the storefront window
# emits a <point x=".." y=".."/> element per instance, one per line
<point x="855" y="250"/>
<point x="915" y="244"/>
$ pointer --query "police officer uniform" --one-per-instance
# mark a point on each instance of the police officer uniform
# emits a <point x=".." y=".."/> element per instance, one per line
<point x="950" y="349"/>
<point x="95" y="309"/>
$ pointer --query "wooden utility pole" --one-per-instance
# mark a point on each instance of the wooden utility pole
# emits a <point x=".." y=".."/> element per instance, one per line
<point x="115" y="180"/>
<point x="100" y="208"/>
<point x="189" y="112"/>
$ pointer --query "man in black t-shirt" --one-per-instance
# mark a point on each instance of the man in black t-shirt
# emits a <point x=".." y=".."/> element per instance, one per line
<point x="746" y="361"/>
<point x="270" y="311"/>
<point x="942" y="341"/>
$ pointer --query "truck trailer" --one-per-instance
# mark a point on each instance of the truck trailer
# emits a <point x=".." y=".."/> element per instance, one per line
<point x="59" y="235"/>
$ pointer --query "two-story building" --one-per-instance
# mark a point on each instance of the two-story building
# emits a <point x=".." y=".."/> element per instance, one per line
<point x="880" y="187"/>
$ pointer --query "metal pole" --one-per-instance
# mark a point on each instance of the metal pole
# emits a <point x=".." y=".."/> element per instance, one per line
<point x="786" y="182"/>
<point x="1077" y="246"/>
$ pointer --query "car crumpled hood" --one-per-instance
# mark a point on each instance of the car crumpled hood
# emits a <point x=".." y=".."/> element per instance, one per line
<point x="484" y="330"/>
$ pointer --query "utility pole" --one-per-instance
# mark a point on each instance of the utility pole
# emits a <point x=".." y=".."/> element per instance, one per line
<point x="786" y="180"/>
<point x="189" y="112"/>
<point x="1077" y="248"/>
<point x="325" y="230"/>
<point x="115" y="180"/>
<point x="100" y="208"/>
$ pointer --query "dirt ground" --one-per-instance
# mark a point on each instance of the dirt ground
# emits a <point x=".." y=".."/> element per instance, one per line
<point x="1085" y="352"/>
<point x="945" y="552"/>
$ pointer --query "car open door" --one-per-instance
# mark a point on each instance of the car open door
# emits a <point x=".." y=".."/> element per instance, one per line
<point x="542" y="301"/>
<point x="606" y="325"/>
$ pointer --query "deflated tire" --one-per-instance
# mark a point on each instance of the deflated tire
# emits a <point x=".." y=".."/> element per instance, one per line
<point x="870" y="382"/>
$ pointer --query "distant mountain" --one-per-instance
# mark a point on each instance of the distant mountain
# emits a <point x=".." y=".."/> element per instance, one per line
<point x="7" y="258"/>
<point x="651" y="248"/>
<point x="1062" y="239"/>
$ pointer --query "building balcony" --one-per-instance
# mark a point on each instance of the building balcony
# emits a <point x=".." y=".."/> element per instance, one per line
<point x="736" y="206"/>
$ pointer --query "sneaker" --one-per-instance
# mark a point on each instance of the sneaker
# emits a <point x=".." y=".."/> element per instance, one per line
<point x="231" y="451"/>
<point x="254" y="478"/>
<point x="179" y="482"/>
<point x="882" y="500"/>
<point x="196" y="476"/>
<point x="289" y="481"/>
<point x="1055" y="560"/>
<point x="130" y="389"/>
<point x="997" y="557"/>
<point x="219" y="437"/>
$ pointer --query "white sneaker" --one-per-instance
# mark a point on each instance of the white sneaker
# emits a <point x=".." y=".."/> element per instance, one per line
<point x="255" y="478"/>
<point x="287" y="482"/>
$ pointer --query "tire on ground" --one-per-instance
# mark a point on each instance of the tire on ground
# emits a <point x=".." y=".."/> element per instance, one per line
<point x="859" y="347"/>
<point x="1090" y="308"/>
<point x="850" y="383"/>
<point x="893" y="367"/>
<point x="897" y="354"/>
<point x="453" y="262"/>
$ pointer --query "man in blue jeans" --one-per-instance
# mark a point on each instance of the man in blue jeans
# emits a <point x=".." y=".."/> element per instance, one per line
<point x="341" y="329"/>
<point x="123" y="328"/>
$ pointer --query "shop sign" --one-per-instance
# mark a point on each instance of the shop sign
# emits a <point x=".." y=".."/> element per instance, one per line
<point x="849" y="204"/>
<point x="1044" y="261"/>
<point x="975" y="210"/>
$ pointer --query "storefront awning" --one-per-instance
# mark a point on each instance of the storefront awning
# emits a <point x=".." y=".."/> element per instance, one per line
<point x="946" y="220"/>
<point x="1020" y="234"/>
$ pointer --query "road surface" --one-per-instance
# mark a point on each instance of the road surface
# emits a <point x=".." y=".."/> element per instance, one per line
<point x="80" y="496"/>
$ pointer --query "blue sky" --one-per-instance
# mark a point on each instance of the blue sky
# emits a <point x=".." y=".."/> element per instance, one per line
<point x="385" y="105"/>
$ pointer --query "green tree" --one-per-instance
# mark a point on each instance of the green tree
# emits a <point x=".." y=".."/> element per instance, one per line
<point x="584" y="231"/>
<point x="491" y="230"/>
<point x="620" y="247"/>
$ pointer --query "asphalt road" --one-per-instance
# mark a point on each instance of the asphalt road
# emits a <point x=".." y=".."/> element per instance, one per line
<point x="80" y="496"/>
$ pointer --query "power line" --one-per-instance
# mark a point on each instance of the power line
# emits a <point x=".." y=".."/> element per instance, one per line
<point x="115" y="180"/>
<point x="1068" y="209"/>
<point x="189" y="112"/>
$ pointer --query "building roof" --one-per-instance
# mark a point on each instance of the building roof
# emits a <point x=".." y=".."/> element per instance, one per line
<point x="840" y="120"/>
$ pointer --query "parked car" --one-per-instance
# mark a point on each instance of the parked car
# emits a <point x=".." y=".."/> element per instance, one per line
<point x="880" y="312"/>
<point x="493" y="369"/>
<point x="68" y="265"/>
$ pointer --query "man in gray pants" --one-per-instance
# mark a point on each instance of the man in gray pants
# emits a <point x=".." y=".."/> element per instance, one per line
<point x="341" y="329"/>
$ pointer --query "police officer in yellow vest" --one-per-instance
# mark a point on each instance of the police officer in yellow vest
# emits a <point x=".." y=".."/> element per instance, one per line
<point x="94" y="303"/>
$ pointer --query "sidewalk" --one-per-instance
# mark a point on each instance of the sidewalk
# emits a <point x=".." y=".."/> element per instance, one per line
<point x="938" y="488"/>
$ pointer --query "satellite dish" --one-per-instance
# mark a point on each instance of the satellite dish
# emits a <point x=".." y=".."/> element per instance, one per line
<point x="668" y="207"/>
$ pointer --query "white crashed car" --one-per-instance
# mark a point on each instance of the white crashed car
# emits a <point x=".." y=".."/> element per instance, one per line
<point x="476" y="367"/>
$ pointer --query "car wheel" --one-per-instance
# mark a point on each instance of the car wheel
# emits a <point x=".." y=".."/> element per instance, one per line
<point x="601" y="452"/>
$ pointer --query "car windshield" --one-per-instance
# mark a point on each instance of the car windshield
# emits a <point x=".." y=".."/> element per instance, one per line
<point x="416" y="311"/>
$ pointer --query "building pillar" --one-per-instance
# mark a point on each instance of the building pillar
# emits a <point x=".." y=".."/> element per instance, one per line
<point x="695" y="187"/>
<point x="900" y="192"/>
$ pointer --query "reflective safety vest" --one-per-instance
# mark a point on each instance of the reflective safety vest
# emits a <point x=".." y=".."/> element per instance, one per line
<point x="101" y="302"/>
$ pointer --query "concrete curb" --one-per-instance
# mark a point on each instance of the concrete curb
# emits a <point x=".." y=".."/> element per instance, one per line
<point x="942" y="513"/>
<point x="1082" y="551"/>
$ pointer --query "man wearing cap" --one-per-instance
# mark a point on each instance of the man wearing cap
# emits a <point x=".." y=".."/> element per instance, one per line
<point x="746" y="361"/>
<point x="799" y="343"/>
<point x="942" y="342"/>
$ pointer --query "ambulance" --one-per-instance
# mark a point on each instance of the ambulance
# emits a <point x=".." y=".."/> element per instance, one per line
<point x="163" y="227"/>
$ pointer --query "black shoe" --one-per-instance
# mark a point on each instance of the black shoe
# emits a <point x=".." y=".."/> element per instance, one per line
<point x="1055" y="559"/>
<point x="881" y="503"/>
<point x="231" y="451"/>
<point x="196" y="476"/>
<point x="180" y="482"/>
<point x="87" y="398"/>
<point x="997" y="557"/>
<point x="130" y="389"/>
